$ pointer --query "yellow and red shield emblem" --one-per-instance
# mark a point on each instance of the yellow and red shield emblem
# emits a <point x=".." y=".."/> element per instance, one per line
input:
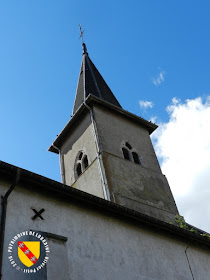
<point x="28" y="252"/>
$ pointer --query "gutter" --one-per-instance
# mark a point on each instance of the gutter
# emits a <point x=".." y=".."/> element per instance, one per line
<point x="3" y="215"/>
<point x="72" y="195"/>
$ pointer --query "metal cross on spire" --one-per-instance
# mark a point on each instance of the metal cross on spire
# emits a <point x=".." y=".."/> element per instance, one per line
<point x="81" y="33"/>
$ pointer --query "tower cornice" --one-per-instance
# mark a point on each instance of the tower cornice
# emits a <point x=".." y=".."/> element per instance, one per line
<point x="90" y="100"/>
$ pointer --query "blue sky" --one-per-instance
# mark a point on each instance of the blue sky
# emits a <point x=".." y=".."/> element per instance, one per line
<point x="146" y="51"/>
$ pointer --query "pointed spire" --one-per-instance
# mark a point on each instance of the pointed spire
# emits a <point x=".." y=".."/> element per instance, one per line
<point x="84" y="48"/>
<point x="91" y="82"/>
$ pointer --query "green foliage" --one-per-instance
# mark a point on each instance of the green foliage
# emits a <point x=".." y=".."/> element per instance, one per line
<point x="206" y="235"/>
<point x="181" y="222"/>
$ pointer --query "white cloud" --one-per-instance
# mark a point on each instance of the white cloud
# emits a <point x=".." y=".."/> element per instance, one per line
<point x="145" y="104"/>
<point x="159" y="79"/>
<point x="183" y="147"/>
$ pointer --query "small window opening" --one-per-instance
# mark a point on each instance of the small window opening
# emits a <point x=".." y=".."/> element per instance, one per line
<point x="135" y="157"/>
<point x="81" y="164"/>
<point x="128" y="145"/>
<point x="125" y="154"/>
<point x="80" y="156"/>
<point x="130" y="153"/>
<point x="79" y="169"/>
<point x="85" y="161"/>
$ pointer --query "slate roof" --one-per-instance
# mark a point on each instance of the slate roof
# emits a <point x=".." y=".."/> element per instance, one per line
<point x="91" y="82"/>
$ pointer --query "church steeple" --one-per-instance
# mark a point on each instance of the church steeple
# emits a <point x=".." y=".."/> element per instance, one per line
<point x="91" y="82"/>
<point x="107" y="151"/>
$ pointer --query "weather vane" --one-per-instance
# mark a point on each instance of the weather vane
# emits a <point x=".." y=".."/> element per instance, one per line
<point x="81" y="32"/>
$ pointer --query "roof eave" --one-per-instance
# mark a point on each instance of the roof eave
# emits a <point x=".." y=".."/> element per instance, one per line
<point x="55" y="146"/>
<point x="45" y="185"/>
<point x="90" y="100"/>
<point x="149" y="125"/>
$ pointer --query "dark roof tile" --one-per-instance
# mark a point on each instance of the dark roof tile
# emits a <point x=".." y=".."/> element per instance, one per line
<point x="91" y="82"/>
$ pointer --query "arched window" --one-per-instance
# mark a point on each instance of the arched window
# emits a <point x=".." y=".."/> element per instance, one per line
<point x="128" y="145"/>
<point x="135" y="157"/>
<point x="81" y="164"/>
<point x="85" y="162"/>
<point x="129" y="153"/>
<point x="125" y="153"/>
<point x="80" y="156"/>
<point x="79" y="169"/>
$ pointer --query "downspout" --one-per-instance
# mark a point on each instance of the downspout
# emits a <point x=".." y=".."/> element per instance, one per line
<point x="3" y="216"/>
<point x="61" y="163"/>
<point x="105" y="189"/>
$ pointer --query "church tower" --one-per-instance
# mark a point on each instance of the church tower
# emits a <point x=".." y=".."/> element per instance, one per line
<point x="107" y="151"/>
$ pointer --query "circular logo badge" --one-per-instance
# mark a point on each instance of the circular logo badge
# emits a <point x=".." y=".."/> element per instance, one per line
<point x="28" y="251"/>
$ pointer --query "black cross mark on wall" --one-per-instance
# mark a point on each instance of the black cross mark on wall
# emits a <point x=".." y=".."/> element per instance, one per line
<point x="38" y="214"/>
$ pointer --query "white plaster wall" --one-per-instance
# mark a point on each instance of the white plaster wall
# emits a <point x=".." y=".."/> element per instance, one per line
<point x="100" y="246"/>
<point x="82" y="139"/>
<point x="90" y="180"/>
